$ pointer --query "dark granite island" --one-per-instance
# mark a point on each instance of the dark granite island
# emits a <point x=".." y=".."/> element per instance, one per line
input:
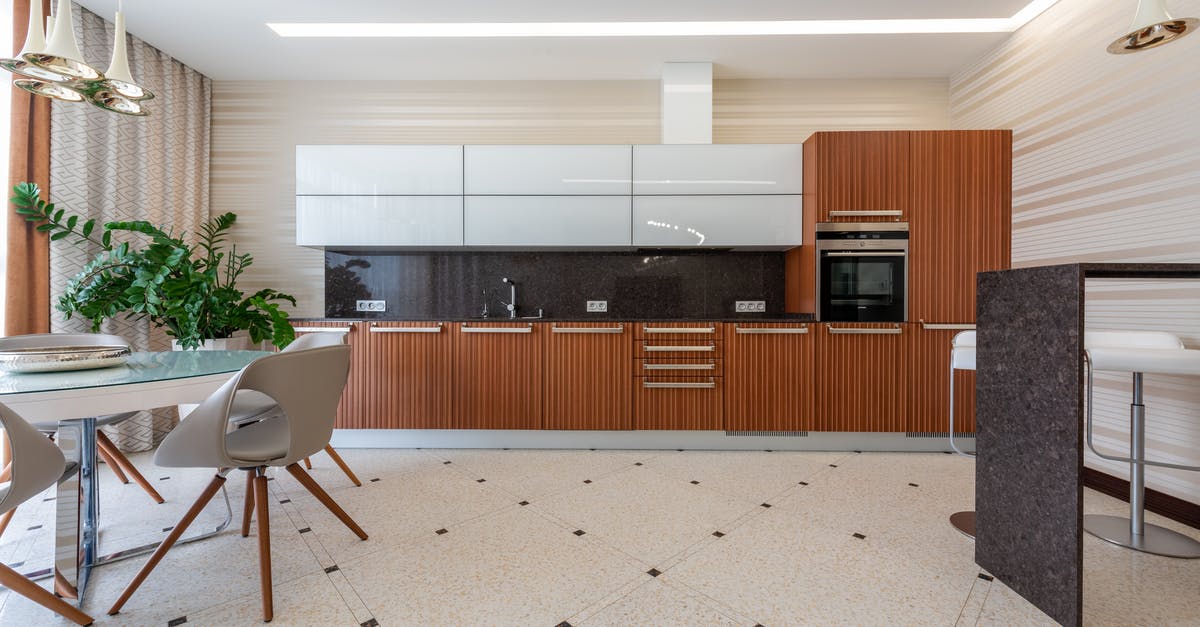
<point x="1029" y="400"/>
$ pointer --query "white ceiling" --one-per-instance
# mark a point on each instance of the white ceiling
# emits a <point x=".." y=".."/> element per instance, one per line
<point x="229" y="39"/>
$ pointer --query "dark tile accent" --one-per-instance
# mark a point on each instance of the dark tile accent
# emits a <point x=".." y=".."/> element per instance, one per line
<point x="986" y="577"/>
<point x="860" y="536"/>
<point x="331" y="569"/>
<point x="914" y="485"/>
<point x="376" y="479"/>
<point x="587" y="480"/>
<point x="833" y="465"/>
<point x="177" y="621"/>
<point x="166" y="529"/>
<point x="523" y="503"/>
<point x="695" y="483"/>
<point x="679" y="450"/>
<point x="768" y="451"/>
<point x="859" y="452"/>
<point x="33" y="528"/>
<point x="579" y="532"/>
<point x="803" y="483"/>
<point x="16" y="564"/>
<point x="637" y="463"/>
<point x="285" y="501"/>
<point x="370" y="623"/>
<point x="766" y="505"/>
<point x="480" y="480"/>
<point x="718" y="534"/>
<point x="163" y="478"/>
<point x="563" y="624"/>
<point x="49" y="498"/>
<point x="270" y="478"/>
<point x="441" y="532"/>
<point x="444" y="463"/>
<point x="653" y="572"/>
<point x="306" y="530"/>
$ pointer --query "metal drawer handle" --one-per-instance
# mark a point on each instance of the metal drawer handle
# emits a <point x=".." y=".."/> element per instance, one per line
<point x="467" y="329"/>
<point x="882" y="253"/>
<point x="861" y="331"/>
<point x="939" y="326"/>
<point x="680" y="349"/>
<point x="620" y="328"/>
<point x="708" y="330"/>
<point x="679" y="366"/>
<point x="771" y="331"/>
<point x="345" y="329"/>
<point x="437" y="329"/>
<point x="699" y="385"/>
<point x="885" y="212"/>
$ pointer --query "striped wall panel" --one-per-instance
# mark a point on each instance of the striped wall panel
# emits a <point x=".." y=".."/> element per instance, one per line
<point x="1106" y="167"/>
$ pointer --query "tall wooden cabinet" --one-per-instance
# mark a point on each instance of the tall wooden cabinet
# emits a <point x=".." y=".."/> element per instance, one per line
<point x="588" y="366"/>
<point x="769" y="375"/>
<point x="858" y="176"/>
<point x="497" y="382"/>
<point x="860" y="377"/>
<point x="927" y="400"/>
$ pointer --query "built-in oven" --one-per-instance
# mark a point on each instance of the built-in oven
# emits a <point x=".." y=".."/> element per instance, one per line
<point x="862" y="271"/>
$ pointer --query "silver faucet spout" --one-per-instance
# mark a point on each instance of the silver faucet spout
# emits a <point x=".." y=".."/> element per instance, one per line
<point x="511" y="306"/>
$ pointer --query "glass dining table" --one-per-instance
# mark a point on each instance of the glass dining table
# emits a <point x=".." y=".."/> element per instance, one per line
<point x="74" y="398"/>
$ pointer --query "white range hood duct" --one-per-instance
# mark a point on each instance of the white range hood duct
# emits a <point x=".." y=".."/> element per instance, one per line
<point x="687" y="97"/>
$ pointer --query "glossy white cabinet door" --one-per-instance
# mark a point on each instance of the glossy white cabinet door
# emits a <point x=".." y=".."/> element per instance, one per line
<point x="718" y="169"/>
<point x="740" y="221"/>
<point x="379" y="170"/>
<point x="379" y="221"/>
<point x="537" y="170"/>
<point x="547" y="220"/>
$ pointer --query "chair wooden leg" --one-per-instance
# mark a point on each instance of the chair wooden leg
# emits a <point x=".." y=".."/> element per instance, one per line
<point x="13" y="580"/>
<point x="6" y="474"/>
<point x="127" y="466"/>
<point x="248" y="509"/>
<point x="307" y="481"/>
<point x="264" y="542"/>
<point x="107" y="456"/>
<point x="169" y="541"/>
<point x="6" y="518"/>
<point x="337" y="459"/>
<point x="308" y="463"/>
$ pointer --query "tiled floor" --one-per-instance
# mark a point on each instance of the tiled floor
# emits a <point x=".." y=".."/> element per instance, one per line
<point x="467" y="537"/>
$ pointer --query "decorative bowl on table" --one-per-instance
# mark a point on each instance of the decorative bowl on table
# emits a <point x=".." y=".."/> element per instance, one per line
<point x="60" y="358"/>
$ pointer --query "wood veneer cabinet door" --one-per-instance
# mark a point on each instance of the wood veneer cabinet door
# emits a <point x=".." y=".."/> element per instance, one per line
<point x="587" y="370"/>
<point x="408" y="367"/>
<point x="352" y="410"/>
<point x="497" y="375"/>
<point x="927" y="407"/>
<point x="858" y="171"/>
<point x="678" y="403"/>
<point x="961" y="219"/>
<point x="859" y="377"/>
<point x="769" y="382"/>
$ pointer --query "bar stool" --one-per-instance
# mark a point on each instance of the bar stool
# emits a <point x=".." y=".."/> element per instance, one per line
<point x="1138" y="352"/>
<point x="962" y="357"/>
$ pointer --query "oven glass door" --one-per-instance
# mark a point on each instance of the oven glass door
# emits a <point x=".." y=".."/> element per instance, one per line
<point x="863" y="286"/>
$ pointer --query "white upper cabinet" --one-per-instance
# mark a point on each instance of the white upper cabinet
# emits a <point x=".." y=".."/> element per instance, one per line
<point x="707" y="221"/>
<point x="379" y="221"/>
<point x="718" y="169"/>
<point x="548" y="170"/>
<point x="547" y="221"/>
<point x="379" y="170"/>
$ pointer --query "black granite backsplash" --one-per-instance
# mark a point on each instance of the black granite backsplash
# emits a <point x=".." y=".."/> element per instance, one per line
<point x="637" y="285"/>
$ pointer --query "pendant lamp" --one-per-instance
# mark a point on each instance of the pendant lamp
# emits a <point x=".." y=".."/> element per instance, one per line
<point x="1152" y="27"/>
<point x="61" y="54"/>
<point x="35" y="41"/>
<point x="117" y="91"/>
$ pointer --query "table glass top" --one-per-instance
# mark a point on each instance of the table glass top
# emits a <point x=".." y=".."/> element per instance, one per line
<point x="139" y="368"/>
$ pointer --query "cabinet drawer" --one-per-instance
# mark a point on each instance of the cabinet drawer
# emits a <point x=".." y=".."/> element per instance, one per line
<point x="677" y="330"/>
<point x="678" y="349"/>
<point x="672" y="402"/>
<point x="679" y="367"/>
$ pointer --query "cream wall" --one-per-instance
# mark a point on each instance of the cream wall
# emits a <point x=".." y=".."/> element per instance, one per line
<point x="1106" y="167"/>
<point x="256" y="127"/>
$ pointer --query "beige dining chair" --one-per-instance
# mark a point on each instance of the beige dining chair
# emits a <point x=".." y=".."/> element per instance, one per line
<point x="36" y="465"/>
<point x="250" y="406"/>
<point x="306" y="385"/>
<point x="112" y="456"/>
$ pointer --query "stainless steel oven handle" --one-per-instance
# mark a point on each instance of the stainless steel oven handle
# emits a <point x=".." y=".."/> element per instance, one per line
<point x="880" y="253"/>
<point x="863" y="331"/>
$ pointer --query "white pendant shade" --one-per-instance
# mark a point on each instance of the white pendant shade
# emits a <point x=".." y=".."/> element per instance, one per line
<point x="118" y="77"/>
<point x="1152" y="27"/>
<point x="35" y="41"/>
<point x="62" y="52"/>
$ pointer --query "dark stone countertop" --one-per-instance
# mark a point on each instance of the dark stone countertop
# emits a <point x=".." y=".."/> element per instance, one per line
<point x="799" y="317"/>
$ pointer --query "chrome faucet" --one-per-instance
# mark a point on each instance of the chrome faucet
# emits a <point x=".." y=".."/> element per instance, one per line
<point x="511" y="306"/>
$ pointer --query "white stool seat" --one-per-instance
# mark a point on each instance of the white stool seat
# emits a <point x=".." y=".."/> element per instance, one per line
<point x="1149" y="360"/>
<point x="962" y="351"/>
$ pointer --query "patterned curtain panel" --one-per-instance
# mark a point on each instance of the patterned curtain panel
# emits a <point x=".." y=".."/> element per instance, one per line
<point x="115" y="167"/>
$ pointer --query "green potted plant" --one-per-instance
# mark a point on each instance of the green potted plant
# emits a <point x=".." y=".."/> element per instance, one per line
<point x="190" y="290"/>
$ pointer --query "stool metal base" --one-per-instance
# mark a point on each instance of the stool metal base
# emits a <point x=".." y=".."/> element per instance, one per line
<point x="1155" y="539"/>
<point x="964" y="522"/>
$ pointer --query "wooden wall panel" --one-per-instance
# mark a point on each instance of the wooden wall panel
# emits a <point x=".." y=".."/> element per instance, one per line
<point x="927" y="392"/>
<point x="769" y="382"/>
<point x="859" y="378"/>
<point x="800" y="263"/>
<point x="497" y="377"/>
<point x="673" y="408"/>
<point x="410" y="376"/>
<point x="587" y="378"/>
<point x="352" y="409"/>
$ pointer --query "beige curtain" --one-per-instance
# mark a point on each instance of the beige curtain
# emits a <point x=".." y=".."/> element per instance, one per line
<point x="114" y="167"/>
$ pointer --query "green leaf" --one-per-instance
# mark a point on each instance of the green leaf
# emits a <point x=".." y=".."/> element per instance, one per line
<point x="106" y="239"/>
<point x="88" y="227"/>
<point x="42" y="228"/>
<point x="71" y="221"/>
<point x="61" y="234"/>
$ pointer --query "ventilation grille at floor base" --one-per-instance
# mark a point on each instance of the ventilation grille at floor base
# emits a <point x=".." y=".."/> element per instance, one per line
<point x="936" y="434"/>
<point x="768" y="434"/>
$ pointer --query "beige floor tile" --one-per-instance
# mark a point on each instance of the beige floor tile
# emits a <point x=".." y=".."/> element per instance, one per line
<point x="649" y="516"/>
<point x="754" y="475"/>
<point x="1005" y="607"/>
<point x="969" y="615"/>
<point x="367" y="464"/>
<point x="656" y="602"/>
<point x="515" y="567"/>
<point x="311" y="600"/>
<point x="532" y="474"/>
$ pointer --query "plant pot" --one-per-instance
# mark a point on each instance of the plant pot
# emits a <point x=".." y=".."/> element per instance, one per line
<point x="239" y="341"/>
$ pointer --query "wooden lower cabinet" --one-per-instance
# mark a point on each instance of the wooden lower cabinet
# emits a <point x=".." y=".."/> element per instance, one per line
<point x="678" y="403"/>
<point x="928" y="390"/>
<point x="587" y="371"/>
<point x="860" y="375"/>
<point x="769" y="377"/>
<point x="410" y="367"/>
<point x="352" y="410"/>
<point x="497" y="382"/>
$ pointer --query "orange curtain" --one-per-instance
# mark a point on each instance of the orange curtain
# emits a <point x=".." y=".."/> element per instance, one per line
<point x="27" y="304"/>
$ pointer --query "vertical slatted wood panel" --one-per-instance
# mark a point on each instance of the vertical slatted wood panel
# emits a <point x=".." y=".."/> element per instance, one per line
<point x="410" y="376"/>
<point x="863" y="171"/>
<point x="769" y="382"/>
<point x="352" y="409"/>
<point x="497" y="377"/>
<point x="587" y="378"/>
<point x="800" y="263"/>
<point x="927" y="393"/>
<point x="959" y="220"/>
<point x="691" y="409"/>
<point x="859" y="380"/>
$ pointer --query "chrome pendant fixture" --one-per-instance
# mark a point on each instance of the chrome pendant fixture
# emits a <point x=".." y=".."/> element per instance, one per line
<point x="35" y="41"/>
<point x="117" y="91"/>
<point x="1152" y="27"/>
<point x="61" y="54"/>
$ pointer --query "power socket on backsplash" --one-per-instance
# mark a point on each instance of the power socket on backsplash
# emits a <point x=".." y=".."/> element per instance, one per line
<point x="370" y="305"/>
<point x="750" y="306"/>
<point x="597" y="306"/>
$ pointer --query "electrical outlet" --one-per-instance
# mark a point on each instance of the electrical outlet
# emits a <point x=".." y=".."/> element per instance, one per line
<point x="370" y="305"/>
<point x="597" y="306"/>
<point x="750" y="306"/>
